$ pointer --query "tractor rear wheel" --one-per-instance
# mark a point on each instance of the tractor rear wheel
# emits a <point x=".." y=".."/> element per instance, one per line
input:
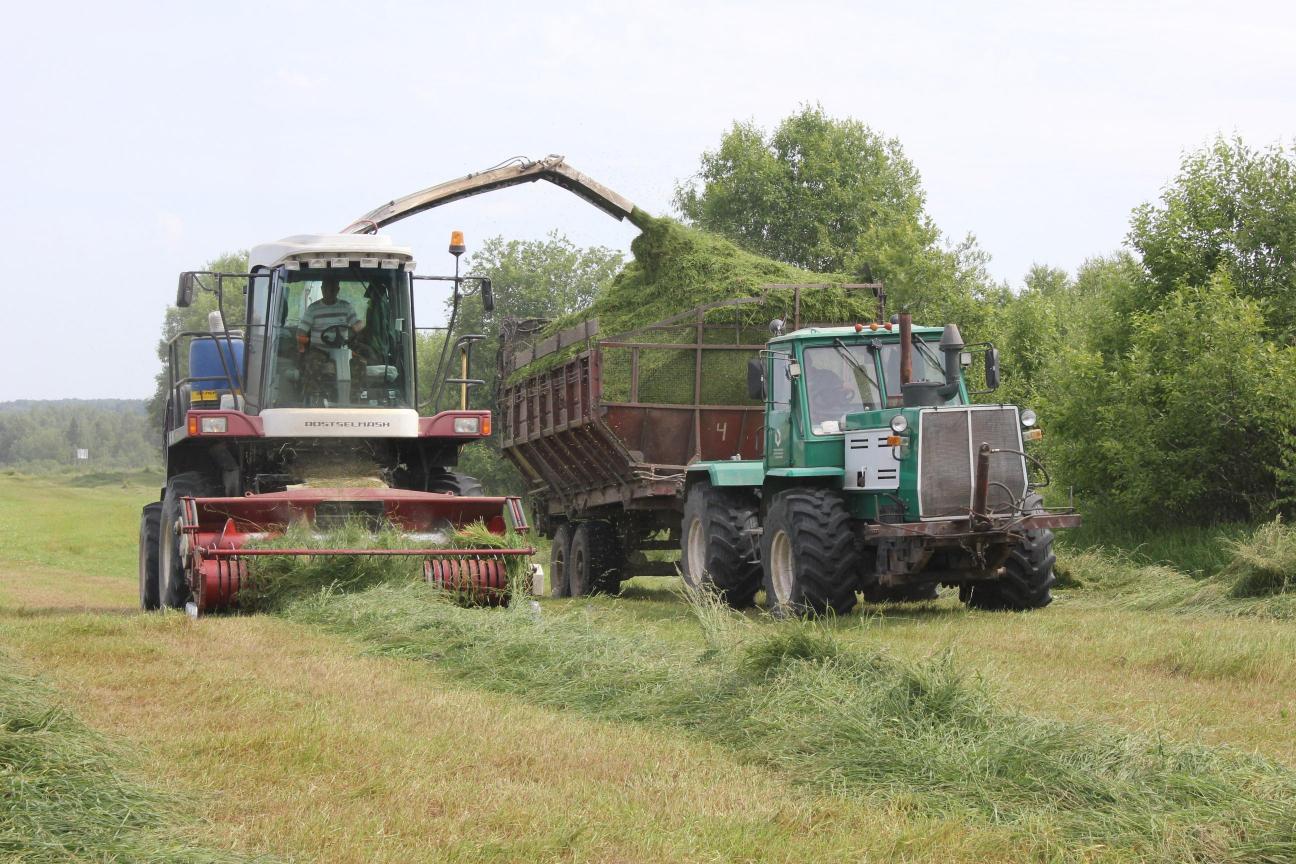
<point x="453" y="483"/>
<point x="148" y="556"/>
<point x="559" y="555"/>
<point x="716" y="544"/>
<point x="1024" y="581"/>
<point x="173" y="588"/>
<point x="808" y="554"/>
<point x="594" y="563"/>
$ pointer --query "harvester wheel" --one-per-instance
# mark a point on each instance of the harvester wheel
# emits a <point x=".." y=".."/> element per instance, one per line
<point x="808" y="554"/>
<point x="559" y="558"/>
<point x="594" y="561"/>
<point x="148" y="555"/>
<point x="716" y="544"/>
<point x="453" y="483"/>
<point x="173" y="590"/>
<point x="1026" y="578"/>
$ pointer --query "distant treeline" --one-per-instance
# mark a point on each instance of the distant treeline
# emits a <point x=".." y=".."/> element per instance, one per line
<point x="47" y="434"/>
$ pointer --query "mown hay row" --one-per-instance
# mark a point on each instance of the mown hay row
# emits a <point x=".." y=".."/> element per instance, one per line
<point x="860" y="723"/>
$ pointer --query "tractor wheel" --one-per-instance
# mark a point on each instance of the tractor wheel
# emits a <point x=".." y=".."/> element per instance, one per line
<point x="148" y="556"/>
<point x="594" y="562"/>
<point x="1024" y="581"/>
<point x="559" y="555"/>
<point x="716" y="547"/>
<point x="453" y="483"/>
<point x="809" y="554"/>
<point x="173" y="589"/>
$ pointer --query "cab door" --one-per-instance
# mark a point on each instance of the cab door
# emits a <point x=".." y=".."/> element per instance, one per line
<point x="778" y="411"/>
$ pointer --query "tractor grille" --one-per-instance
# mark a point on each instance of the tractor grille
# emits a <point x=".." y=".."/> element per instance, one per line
<point x="948" y="441"/>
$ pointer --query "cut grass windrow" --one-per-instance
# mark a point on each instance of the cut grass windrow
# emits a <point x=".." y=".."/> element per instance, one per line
<point x="64" y="796"/>
<point x="858" y="723"/>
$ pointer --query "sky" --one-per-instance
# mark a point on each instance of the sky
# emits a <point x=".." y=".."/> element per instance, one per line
<point x="143" y="139"/>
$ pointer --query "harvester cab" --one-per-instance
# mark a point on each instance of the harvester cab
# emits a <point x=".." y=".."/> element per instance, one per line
<point x="308" y="409"/>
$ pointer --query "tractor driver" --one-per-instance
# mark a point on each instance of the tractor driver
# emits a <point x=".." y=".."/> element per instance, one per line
<point x="328" y="313"/>
<point x="834" y="392"/>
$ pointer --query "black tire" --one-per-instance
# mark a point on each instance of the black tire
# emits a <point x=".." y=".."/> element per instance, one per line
<point x="559" y="557"/>
<point x="594" y="564"/>
<point x="916" y="593"/>
<point x="809" y="555"/>
<point x="150" y="518"/>
<point x="173" y="589"/>
<point x="716" y="547"/>
<point x="453" y="483"/>
<point x="1025" y="581"/>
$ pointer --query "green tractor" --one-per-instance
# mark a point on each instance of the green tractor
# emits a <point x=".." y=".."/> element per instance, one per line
<point x="879" y="476"/>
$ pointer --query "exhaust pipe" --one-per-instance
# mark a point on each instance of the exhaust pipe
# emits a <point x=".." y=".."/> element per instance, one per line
<point x="906" y="348"/>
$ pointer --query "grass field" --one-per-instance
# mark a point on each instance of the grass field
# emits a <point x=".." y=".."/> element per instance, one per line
<point x="384" y="727"/>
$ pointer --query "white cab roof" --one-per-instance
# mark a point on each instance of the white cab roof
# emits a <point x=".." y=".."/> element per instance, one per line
<point x="306" y="246"/>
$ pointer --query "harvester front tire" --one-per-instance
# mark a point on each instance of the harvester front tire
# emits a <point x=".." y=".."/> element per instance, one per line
<point x="808" y="554"/>
<point x="1025" y="581"/>
<point x="559" y="563"/>
<point x="595" y="560"/>
<point x="148" y="555"/>
<point x="453" y="483"/>
<point x="173" y="590"/>
<point x="716" y="546"/>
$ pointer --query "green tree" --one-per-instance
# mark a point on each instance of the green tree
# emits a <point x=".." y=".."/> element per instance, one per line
<point x="1230" y="207"/>
<point x="832" y="195"/>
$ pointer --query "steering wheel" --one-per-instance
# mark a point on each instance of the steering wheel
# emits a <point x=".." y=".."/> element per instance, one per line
<point x="336" y="336"/>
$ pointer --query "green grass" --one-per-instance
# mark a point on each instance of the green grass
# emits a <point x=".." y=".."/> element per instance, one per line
<point x="60" y="523"/>
<point x="65" y="794"/>
<point x="858" y="722"/>
<point x="1198" y="551"/>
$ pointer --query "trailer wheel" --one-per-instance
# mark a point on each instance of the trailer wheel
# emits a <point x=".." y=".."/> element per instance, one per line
<point x="559" y="558"/>
<point x="453" y="483"/>
<point x="1025" y="580"/>
<point x="716" y="547"/>
<point x="594" y="563"/>
<point x="173" y="589"/>
<point x="808" y="554"/>
<point x="150" y="518"/>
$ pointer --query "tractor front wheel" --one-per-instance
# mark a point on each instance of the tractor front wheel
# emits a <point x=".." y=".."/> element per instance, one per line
<point x="717" y="545"/>
<point x="148" y="555"/>
<point x="594" y="562"/>
<point x="1024" y="582"/>
<point x="173" y="588"/>
<point x="808" y="554"/>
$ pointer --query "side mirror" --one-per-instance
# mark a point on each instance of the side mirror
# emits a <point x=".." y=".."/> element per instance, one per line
<point x="992" y="368"/>
<point x="487" y="295"/>
<point x="755" y="379"/>
<point x="185" y="290"/>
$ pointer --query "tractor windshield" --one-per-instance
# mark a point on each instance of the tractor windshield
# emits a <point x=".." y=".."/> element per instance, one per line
<point x="926" y="367"/>
<point x="838" y="381"/>
<point x="338" y="338"/>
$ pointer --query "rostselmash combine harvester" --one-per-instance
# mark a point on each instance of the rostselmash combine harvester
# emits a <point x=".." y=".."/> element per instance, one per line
<point x="307" y="411"/>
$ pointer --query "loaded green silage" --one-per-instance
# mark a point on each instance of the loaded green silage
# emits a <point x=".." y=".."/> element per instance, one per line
<point x="675" y="269"/>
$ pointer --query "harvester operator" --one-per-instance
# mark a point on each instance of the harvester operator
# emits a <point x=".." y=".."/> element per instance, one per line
<point x="329" y="313"/>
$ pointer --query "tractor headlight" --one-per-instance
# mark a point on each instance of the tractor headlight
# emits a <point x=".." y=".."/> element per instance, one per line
<point x="1028" y="418"/>
<point x="899" y="424"/>
<point x="215" y="425"/>
<point x="467" y="425"/>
